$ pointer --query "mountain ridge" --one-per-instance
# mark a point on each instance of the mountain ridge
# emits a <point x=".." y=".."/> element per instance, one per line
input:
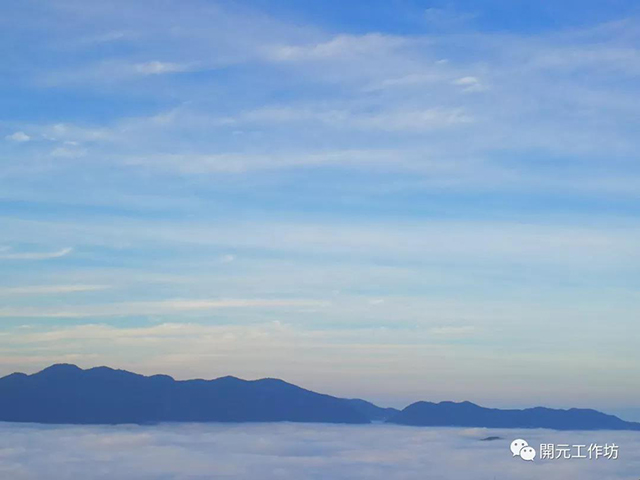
<point x="103" y="395"/>
<point x="68" y="394"/>
<point x="470" y="415"/>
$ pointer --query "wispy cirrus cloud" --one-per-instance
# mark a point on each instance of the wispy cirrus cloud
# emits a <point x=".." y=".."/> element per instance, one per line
<point x="469" y="84"/>
<point x="389" y="120"/>
<point x="113" y="71"/>
<point x="339" y="47"/>
<point x="37" y="290"/>
<point x="35" y="255"/>
<point x="160" y="307"/>
<point x="158" y="68"/>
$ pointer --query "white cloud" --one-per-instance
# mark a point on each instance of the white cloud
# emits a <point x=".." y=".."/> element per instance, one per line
<point x="36" y="255"/>
<point x="339" y="47"/>
<point x="18" y="137"/>
<point x="72" y="135"/>
<point x="469" y="84"/>
<point x="68" y="151"/>
<point x="589" y="246"/>
<point x="412" y="93"/>
<point x="158" y="68"/>
<point x="50" y="289"/>
<point x="113" y="71"/>
<point x="161" y="307"/>
<point x="410" y="80"/>
<point x="240" y="163"/>
<point x="287" y="451"/>
<point x="394" y="120"/>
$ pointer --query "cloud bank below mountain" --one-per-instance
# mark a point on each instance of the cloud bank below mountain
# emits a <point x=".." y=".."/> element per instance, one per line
<point x="287" y="451"/>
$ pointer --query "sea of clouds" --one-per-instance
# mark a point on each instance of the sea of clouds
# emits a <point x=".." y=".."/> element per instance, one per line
<point x="296" y="451"/>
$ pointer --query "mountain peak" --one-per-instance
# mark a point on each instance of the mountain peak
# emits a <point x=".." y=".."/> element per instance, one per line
<point x="230" y="378"/>
<point x="60" y="368"/>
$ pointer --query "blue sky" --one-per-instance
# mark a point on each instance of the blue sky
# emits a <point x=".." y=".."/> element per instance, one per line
<point x="393" y="200"/>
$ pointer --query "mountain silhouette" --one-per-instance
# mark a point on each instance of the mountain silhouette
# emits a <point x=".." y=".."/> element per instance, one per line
<point x="467" y="414"/>
<point x="67" y="394"/>
<point x="373" y="412"/>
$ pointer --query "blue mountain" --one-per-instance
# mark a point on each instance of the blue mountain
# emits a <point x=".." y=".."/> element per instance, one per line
<point x="373" y="412"/>
<point x="467" y="414"/>
<point x="68" y="394"/>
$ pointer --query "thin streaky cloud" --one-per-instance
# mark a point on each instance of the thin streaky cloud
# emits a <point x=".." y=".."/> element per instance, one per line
<point x="51" y="289"/>
<point x="339" y="47"/>
<point x="36" y="255"/>
<point x="158" y="68"/>
<point x="162" y="307"/>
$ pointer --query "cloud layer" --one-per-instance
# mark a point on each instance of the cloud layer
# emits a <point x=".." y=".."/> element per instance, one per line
<point x="286" y="451"/>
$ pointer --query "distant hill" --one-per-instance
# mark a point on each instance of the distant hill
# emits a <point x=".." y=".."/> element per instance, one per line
<point x="68" y="394"/>
<point x="467" y="414"/>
